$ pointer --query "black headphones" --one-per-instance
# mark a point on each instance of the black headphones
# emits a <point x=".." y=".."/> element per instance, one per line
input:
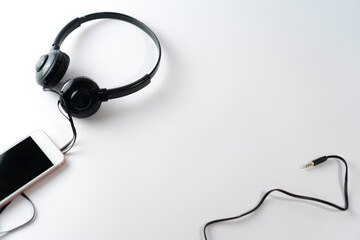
<point x="82" y="96"/>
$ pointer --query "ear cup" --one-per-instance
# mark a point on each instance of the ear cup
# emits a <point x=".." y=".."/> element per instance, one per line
<point x="51" y="68"/>
<point x="80" y="96"/>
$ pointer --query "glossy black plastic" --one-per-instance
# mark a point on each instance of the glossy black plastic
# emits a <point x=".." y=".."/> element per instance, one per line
<point x="86" y="100"/>
<point x="124" y="90"/>
<point x="51" y="68"/>
<point x="81" y="96"/>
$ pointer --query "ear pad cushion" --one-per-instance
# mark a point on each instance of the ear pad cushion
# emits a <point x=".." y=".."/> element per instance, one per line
<point x="80" y="97"/>
<point x="51" y="68"/>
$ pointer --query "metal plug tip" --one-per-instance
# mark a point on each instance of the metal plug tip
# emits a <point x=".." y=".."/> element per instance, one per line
<point x="308" y="165"/>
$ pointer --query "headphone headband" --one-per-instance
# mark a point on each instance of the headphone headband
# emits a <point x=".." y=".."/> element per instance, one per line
<point x="81" y="96"/>
<point x="135" y="86"/>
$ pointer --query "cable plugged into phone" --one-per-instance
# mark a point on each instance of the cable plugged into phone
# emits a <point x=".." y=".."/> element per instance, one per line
<point x="64" y="150"/>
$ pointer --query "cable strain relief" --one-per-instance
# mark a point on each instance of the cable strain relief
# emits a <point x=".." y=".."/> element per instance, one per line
<point x="320" y="160"/>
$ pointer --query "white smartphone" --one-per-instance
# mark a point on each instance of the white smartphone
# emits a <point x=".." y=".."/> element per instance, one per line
<point x="26" y="163"/>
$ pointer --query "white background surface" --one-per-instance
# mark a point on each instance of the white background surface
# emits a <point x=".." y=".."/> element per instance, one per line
<point x="247" y="92"/>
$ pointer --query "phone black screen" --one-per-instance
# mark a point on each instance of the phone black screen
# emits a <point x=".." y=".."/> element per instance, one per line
<point x="21" y="164"/>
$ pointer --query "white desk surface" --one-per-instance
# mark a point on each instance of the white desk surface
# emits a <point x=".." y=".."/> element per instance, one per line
<point x="247" y="91"/>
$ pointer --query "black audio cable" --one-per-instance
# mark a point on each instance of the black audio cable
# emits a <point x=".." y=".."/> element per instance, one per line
<point x="64" y="111"/>
<point x="2" y="234"/>
<point x="311" y="164"/>
<point x="64" y="150"/>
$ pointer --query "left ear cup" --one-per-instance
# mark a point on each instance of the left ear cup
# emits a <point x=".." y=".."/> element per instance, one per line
<point x="51" y="68"/>
<point x="80" y="96"/>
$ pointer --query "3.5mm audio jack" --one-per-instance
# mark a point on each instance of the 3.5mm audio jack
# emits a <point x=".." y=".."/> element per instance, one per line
<point x="308" y="198"/>
<point x="315" y="162"/>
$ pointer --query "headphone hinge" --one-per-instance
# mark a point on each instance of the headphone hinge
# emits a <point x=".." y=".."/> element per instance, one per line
<point x="103" y="95"/>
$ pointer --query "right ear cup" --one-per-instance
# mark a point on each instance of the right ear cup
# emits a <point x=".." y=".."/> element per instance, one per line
<point x="51" y="68"/>
<point x="80" y="97"/>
